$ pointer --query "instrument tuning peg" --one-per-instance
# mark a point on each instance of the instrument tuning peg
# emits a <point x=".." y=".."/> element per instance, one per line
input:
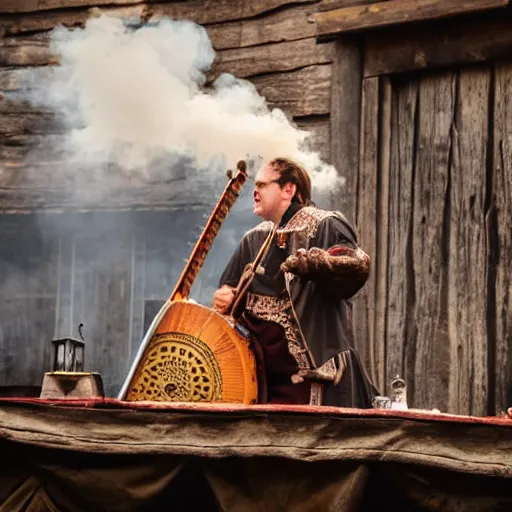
<point x="242" y="166"/>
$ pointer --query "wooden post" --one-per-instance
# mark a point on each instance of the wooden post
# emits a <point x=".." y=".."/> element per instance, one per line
<point x="347" y="157"/>
<point x="367" y="223"/>
<point x="345" y="121"/>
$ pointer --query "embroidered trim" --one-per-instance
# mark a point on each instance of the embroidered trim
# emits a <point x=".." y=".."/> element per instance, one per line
<point x="278" y="310"/>
<point x="342" y="364"/>
<point x="304" y="225"/>
<point x="331" y="371"/>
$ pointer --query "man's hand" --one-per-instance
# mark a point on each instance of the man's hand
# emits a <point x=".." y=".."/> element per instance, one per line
<point x="223" y="298"/>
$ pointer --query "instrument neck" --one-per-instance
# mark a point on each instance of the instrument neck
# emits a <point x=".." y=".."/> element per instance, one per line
<point x="205" y="241"/>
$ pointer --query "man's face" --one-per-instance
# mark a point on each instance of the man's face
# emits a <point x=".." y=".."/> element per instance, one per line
<point x="270" y="200"/>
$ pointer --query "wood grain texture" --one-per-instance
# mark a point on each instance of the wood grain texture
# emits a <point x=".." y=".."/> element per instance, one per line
<point x="345" y="110"/>
<point x="401" y="327"/>
<point x="330" y="5"/>
<point x="219" y="9"/>
<point x="380" y="265"/>
<point x="208" y="12"/>
<point x="395" y="12"/>
<point x="502" y="237"/>
<point x="286" y="24"/>
<point x="230" y="351"/>
<point x="468" y="250"/>
<point x="33" y="52"/>
<point x="46" y="14"/>
<point x="300" y="93"/>
<point x="272" y="58"/>
<point x="241" y="62"/>
<point x="15" y="6"/>
<point x="276" y="26"/>
<point x="472" y="40"/>
<point x="366" y="215"/>
<point x="432" y="344"/>
<point x="42" y="21"/>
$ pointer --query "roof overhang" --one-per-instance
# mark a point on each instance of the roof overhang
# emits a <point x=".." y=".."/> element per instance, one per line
<point x="349" y="20"/>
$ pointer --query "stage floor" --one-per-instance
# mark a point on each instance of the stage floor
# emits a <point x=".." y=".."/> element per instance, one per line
<point x="104" y="454"/>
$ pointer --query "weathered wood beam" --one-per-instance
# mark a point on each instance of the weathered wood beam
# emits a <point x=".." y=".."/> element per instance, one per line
<point x="15" y="6"/>
<point x="499" y="220"/>
<point x="473" y="40"/>
<point x="467" y="267"/>
<point x="14" y="24"/>
<point x="428" y="344"/>
<point x="272" y="58"/>
<point x="278" y="26"/>
<point x="14" y="52"/>
<point x="349" y="158"/>
<point x="21" y="148"/>
<point x="345" y="120"/>
<point x="194" y="10"/>
<point x="285" y="24"/>
<point x="400" y="330"/>
<point x="305" y="92"/>
<point x="366" y="217"/>
<point x="330" y="5"/>
<point x="395" y="12"/>
<point x="54" y="188"/>
<point x="241" y="62"/>
<point x="221" y="10"/>
<point x="281" y="25"/>
<point x="381" y="263"/>
<point x="300" y="93"/>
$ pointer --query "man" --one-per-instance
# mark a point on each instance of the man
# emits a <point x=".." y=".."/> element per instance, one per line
<point x="298" y="304"/>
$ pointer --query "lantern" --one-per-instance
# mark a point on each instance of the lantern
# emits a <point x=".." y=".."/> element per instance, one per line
<point x="68" y="355"/>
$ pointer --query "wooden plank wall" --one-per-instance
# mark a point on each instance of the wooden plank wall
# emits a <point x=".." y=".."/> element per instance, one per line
<point x="269" y="42"/>
<point x="444" y="173"/>
<point x="499" y="220"/>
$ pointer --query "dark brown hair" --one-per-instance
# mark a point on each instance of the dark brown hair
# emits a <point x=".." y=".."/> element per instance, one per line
<point x="291" y="172"/>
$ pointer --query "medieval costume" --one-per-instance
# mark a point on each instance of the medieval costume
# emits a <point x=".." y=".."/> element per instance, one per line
<point x="299" y="310"/>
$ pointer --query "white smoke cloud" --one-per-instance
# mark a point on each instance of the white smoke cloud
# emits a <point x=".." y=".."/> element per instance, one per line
<point x="135" y="97"/>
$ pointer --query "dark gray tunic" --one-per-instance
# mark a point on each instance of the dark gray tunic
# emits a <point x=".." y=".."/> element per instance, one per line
<point x="316" y="314"/>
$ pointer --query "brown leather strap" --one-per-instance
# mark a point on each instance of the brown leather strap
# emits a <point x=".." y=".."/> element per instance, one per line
<point x="248" y="274"/>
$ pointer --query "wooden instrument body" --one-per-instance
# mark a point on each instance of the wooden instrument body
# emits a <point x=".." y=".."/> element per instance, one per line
<point x="196" y="355"/>
<point x="191" y="353"/>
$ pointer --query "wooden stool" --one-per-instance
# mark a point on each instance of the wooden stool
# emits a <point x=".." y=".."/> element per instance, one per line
<point x="72" y="385"/>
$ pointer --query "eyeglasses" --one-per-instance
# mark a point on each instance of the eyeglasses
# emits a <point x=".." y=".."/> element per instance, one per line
<point x="263" y="184"/>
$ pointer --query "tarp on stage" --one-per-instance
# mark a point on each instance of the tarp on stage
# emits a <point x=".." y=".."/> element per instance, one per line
<point x="103" y="454"/>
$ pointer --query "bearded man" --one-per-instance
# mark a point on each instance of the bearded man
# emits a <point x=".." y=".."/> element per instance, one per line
<point x="298" y="306"/>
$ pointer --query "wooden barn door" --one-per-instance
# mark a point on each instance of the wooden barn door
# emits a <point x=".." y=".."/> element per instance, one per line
<point x="434" y="206"/>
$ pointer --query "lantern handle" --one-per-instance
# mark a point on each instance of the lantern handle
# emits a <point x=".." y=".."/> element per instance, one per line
<point x="80" y="331"/>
